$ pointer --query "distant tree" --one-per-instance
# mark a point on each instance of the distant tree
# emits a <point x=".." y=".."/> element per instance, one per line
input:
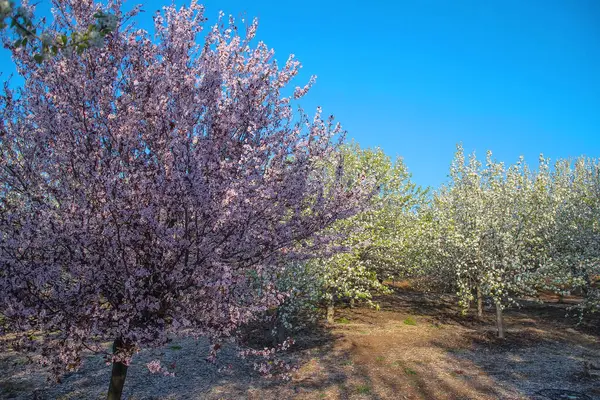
<point x="574" y="237"/>
<point x="21" y="31"/>
<point x="375" y="240"/>
<point x="492" y="221"/>
<point x="156" y="187"/>
<point x="459" y="212"/>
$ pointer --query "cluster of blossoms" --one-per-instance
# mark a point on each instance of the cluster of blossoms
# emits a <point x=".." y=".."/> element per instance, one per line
<point x="6" y="8"/>
<point x="19" y="21"/>
<point x="506" y="232"/>
<point x="154" y="187"/>
<point x="269" y="364"/>
<point x="155" y="367"/>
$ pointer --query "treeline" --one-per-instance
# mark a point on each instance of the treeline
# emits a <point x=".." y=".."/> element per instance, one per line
<point x="493" y="233"/>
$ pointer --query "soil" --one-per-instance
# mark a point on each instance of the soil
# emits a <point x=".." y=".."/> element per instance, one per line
<point x="417" y="346"/>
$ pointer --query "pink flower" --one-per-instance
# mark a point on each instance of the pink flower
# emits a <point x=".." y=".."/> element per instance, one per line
<point x="148" y="185"/>
<point x="154" y="366"/>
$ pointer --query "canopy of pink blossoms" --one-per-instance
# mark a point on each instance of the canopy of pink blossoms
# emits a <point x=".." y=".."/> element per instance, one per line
<point x="154" y="185"/>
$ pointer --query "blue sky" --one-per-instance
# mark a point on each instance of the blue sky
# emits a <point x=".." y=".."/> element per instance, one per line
<point x="416" y="77"/>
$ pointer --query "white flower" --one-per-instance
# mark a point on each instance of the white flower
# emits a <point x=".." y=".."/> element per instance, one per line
<point x="47" y="39"/>
<point x="95" y="39"/>
<point x="5" y="8"/>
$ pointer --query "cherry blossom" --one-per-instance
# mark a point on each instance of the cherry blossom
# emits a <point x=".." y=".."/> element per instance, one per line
<point x="155" y="186"/>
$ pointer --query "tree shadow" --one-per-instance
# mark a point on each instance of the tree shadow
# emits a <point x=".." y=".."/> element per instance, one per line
<point x="544" y="351"/>
<point x="195" y="377"/>
<point x="370" y="355"/>
<point x="440" y="308"/>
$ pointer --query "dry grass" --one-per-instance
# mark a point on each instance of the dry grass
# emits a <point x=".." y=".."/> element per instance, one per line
<point x="371" y="354"/>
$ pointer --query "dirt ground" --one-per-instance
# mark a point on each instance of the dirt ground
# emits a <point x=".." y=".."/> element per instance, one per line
<point x="417" y="346"/>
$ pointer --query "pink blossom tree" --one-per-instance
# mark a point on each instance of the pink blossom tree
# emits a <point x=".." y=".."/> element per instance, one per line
<point x="152" y="186"/>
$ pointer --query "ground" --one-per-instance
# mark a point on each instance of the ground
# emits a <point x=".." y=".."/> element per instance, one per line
<point x="418" y="346"/>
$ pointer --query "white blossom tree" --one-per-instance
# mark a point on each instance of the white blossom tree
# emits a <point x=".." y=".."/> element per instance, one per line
<point x="574" y="237"/>
<point x="376" y="240"/>
<point x="494" y="223"/>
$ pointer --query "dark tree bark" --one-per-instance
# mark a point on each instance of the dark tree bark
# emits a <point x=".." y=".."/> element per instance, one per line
<point x="119" y="372"/>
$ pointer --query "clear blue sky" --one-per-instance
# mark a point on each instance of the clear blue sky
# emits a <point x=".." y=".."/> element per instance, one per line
<point x="416" y="77"/>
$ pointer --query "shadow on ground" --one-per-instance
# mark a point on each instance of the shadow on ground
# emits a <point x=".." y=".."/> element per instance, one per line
<point x="418" y="346"/>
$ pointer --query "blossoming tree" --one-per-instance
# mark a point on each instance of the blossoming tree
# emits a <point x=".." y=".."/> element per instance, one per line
<point x="493" y="222"/>
<point x="18" y="21"/>
<point x="154" y="186"/>
<point x="574" y="238"/>
<point x="375" y="240"/>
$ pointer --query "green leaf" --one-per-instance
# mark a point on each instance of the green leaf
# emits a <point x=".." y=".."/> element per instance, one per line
<point x="38" y="58"/>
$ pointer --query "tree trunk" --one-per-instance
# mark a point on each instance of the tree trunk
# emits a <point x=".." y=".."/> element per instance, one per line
<point x="330" y="312"/>
<point x="479" y="302"/>
<point x="588" y="284"/>
<point x="281" y="332"/>
<point x="499" y="320"/>
<point x="119" y="372"/>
